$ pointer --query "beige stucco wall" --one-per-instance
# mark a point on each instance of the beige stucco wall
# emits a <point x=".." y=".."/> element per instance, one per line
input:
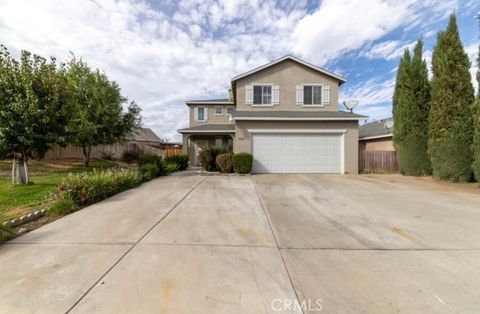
<point x="212" y="117"/>
<point x="382" y="144"/>
<point x="242" y="140"/>
<point x="287" y="75"/>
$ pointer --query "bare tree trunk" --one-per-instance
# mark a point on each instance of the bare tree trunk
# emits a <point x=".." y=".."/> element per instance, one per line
<point x="86" y="155"/>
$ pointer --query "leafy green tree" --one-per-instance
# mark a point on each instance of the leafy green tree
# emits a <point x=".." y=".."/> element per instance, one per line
<point x="476" y="147"/>
<point x="98" y="117"/>
<point x="33" y="107"/>
<point x="412" y="104"/>
<point x="451" y="114"/>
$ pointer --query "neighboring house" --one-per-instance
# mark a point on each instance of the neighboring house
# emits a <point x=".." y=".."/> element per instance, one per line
<point x="286" y="114"/>
<point x="376" y="151"/>
<point x="144" y="140"/>
<point x="376" y="136"/>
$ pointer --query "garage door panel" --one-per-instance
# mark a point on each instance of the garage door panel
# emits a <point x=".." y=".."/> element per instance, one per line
<point x="297" y="153"/>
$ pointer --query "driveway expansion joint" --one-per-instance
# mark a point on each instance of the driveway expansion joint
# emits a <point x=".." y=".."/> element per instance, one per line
<point x="135" y="244"/>
<point x="276" y="242"/>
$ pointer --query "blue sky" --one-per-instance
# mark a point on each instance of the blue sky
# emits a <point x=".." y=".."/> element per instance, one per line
<point x="164" y="52"/>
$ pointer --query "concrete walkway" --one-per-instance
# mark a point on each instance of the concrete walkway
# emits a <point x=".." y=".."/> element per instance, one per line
<point x="260" y="244"/>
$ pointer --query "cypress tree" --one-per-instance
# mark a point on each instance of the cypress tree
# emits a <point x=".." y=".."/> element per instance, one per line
<point x="411" y="118"/>
<point x="451" y="114"/>
<point x="400" y="98"/>
<point x="476" y="147"/>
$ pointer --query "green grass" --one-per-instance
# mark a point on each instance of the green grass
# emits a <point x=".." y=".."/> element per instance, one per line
<point x="21" y="199"/>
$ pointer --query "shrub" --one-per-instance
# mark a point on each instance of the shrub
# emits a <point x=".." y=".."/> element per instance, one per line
<point x="152" y="160"/>
<point x="63" y="205"/>
<point x="180" y="160"/>
<point x="149" y="171"/>
<point x="5" y="231"/>
<point x="148" y="158"/>
<point x="242" y="162"/>
<point x="130" y="156"/>
<point x="225" y="162"/>
<point x="208" y="158"/>
<point x="171" y="167"/>
<point x="82" y="189"/>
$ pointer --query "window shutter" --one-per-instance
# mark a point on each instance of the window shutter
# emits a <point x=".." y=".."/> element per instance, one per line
<point x="299" y="95"/>
<point x="205" y="114"/>
<point x="326" y="94"/>
<point x="276" y="94"/>
<point x="249" y="94"/>
<point x="195" y="114"/>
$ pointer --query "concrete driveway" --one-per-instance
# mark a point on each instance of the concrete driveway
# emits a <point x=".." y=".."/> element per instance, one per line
<point x="260" y="244"/>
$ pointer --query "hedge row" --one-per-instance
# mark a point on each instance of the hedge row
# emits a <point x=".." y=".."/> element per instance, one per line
<point x="82" y="189"/>
<point x="215" y="159"/>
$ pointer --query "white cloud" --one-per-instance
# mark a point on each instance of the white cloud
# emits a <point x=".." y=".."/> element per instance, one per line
<point x="390" y="49"/>
<point x="342" y="25"/>
<point x="472" y="52"/>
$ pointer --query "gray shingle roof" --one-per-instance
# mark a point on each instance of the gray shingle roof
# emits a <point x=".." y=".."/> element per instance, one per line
<point x="209" y="127"/>
<point x="145" y="134"/>
<point x="376" y="128"/>
<point x="296" y="114"/>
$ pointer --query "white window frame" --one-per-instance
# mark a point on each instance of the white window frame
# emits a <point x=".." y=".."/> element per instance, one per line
<point x="205" y="114"/>
<point x="216" y="142"/>
<point x="321" y="104"/>
<point x="262" y="104"/>
<point x="230" y="108"/>
<point x="219" y="114"/>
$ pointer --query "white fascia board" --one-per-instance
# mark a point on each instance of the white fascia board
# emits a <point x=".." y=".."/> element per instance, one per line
<point x="209" y="103"/>
<point x="206" y="131"/>
<point x="376" y="137"/>
<point x="303" y="131"/>
<point x="300" y="119"/>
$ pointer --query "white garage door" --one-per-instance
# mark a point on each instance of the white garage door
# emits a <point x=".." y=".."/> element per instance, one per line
<point x="297" y="153"/>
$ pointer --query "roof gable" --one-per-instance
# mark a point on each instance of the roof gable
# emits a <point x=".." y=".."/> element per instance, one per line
<point x="295" y="59"/>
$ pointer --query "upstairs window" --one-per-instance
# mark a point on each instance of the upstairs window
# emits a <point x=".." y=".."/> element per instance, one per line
<point x="218" y="110"/>
<point x="312" y="95"/>
<point x="230" y="110"/>
<point x="262" y="94"/>
<point x="201" y="114"/>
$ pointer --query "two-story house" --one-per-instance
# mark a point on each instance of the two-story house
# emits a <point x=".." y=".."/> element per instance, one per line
<point x="286" y="114"/>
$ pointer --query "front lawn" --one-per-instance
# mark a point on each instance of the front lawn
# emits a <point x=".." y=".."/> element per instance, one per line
<point x="19" y="200"/>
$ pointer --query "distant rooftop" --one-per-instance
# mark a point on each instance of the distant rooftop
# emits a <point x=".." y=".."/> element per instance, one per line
<point x="146" y="135"/>
<point x="375" y="129"/>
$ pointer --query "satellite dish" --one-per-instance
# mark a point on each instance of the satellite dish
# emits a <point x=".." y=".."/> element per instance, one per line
<point x="388" y="124"/>
<point x="350" y="104"/>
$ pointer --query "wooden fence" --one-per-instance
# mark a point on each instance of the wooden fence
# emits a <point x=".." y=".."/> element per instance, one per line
<point x="377" y="161"/>
<point x="101" y="151"/>
<point x="174" y="151"/>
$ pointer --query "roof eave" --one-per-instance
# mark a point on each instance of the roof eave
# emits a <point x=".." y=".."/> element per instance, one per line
<point x="307" y="64"/>
<point x="301" y="118"/>
<point x="205" y="131"/>
<point x="375" y="137"/>
<point x="209" y="103"/>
